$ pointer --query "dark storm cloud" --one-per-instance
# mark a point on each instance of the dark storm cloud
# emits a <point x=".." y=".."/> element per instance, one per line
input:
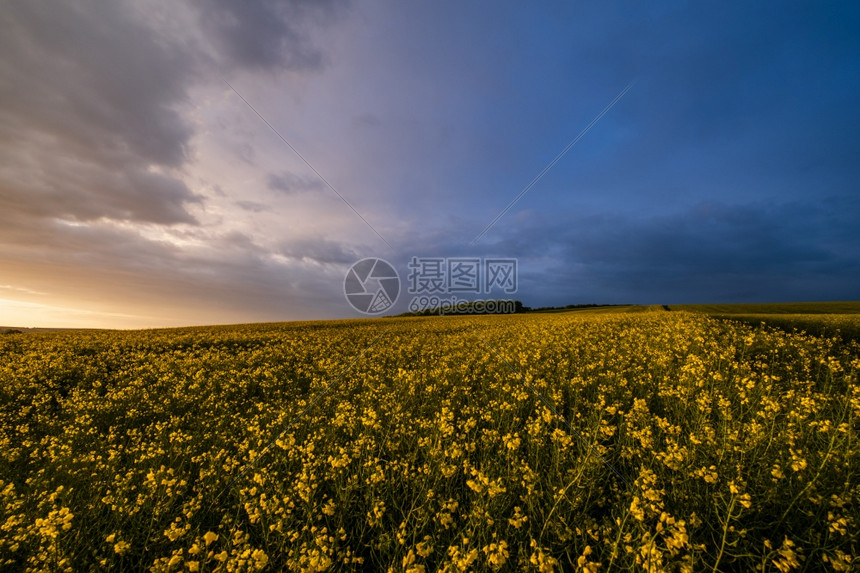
<point x="91" y="112"/>
<point x="728" y="172"/>
<point x="91" y="75"/>
<point x="90" y="106"/>
<point x="267" y="33"/>
<point x="96" y="136"/>
<point x="710" y="252"/>
<point x="68" y="188"/>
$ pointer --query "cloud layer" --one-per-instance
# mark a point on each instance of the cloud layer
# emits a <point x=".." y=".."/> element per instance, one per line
<point x="137" y="189"/>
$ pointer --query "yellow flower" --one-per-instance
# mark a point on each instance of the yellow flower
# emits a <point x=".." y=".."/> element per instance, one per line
<point x="121" y="547"/>
<point x="260" y="558"/>
<point x="424" y="548"/>
<point x="518" y="519"/>
<point x="636" y="509"/>
<point x="497" y="554"/>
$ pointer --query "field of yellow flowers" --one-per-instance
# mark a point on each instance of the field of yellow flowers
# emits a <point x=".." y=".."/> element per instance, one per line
<point x="655" y="441"/>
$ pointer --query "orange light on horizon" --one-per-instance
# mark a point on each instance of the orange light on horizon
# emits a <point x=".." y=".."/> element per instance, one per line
<point x="27" y="314"/>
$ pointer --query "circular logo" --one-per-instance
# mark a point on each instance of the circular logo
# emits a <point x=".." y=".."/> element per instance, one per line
<point x="371" y="286"/>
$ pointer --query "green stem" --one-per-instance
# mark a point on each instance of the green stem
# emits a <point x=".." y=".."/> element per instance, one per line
<point x="725" y="535"/>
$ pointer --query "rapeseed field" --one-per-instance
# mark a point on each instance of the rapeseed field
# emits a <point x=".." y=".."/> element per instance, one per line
<point x="655" y="441"/>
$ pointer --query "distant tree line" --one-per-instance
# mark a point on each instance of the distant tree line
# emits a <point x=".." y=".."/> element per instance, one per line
<point x="571" y="307"/>
<point x="497" y="307"/>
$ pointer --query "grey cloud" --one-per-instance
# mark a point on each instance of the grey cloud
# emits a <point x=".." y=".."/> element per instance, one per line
<point x="92" y="105"/>
<point x="72" y="188"/>
<point x="94" y="130"/>
<point x="267" y="34"/>
<point x="231" y="280"/>
<point x="291" y="183"/>
<point x="798" y="250"/>
<point x="251" y="206"/>
<point x="159" y="198"/>
<point x="91" y="76"/>
<point x="94" y="97"/>
<point x="707" y="237"/>
<point x="319" y="250"/>
<point x="711" y="252"/>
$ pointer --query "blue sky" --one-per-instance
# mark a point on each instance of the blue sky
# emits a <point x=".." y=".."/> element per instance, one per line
<point x="137" y="189"/>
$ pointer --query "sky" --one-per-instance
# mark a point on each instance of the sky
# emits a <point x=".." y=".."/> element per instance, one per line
<point x="170" y="163"/>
